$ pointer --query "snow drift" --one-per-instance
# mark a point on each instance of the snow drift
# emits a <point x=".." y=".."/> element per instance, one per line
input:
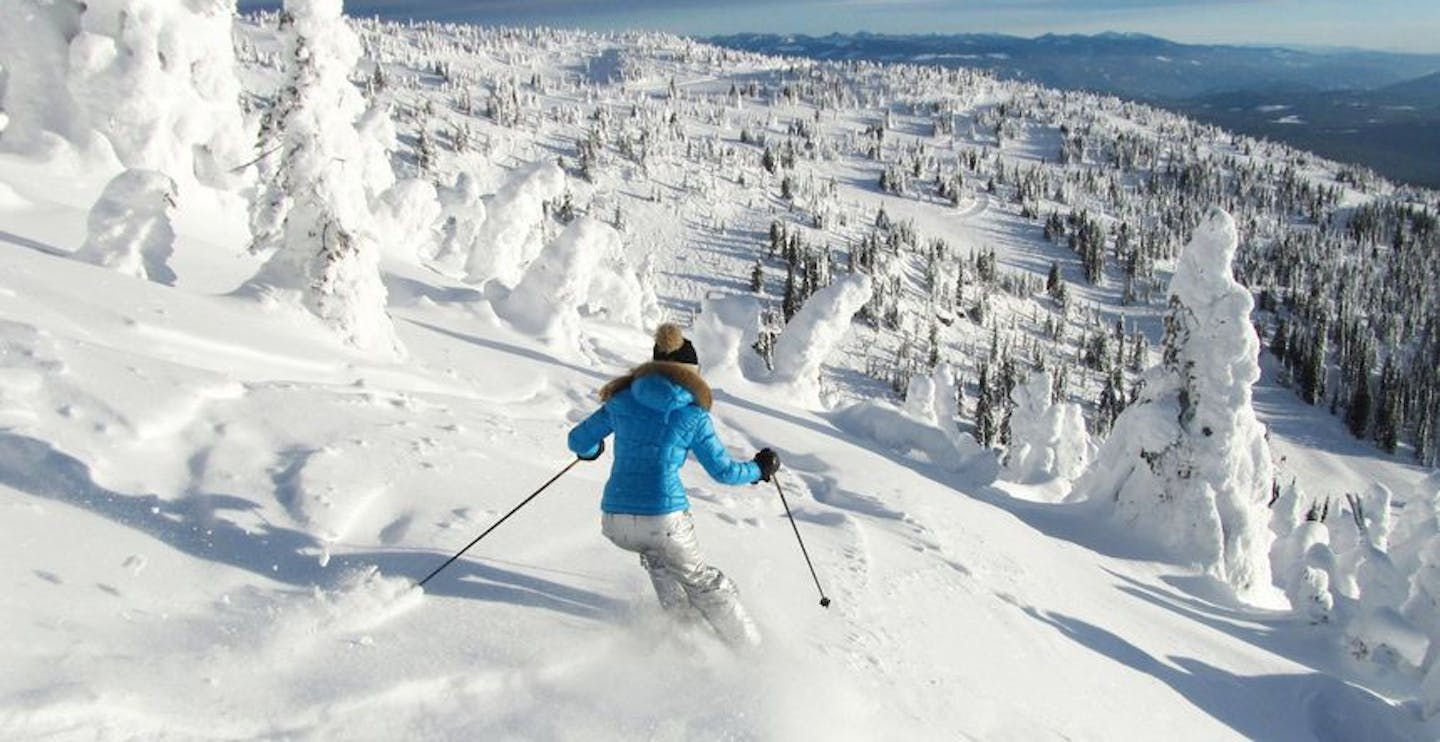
<point x="129" y="226"/>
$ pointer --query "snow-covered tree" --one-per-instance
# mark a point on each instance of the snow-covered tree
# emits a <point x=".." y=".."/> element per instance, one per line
<point x="407" y="216"/>
<point x="724" y="333"/>
<point x="129" y="226"/>
<point x="511" y="235"/>
<point x="920" y="398"/>
<point x="583" y="269"/>
<point x="157" y="79"/>
<point x="153" y="80"/>
<point x="817" y="328"/>
<point x="1308" y="566"/>
<point x="327" y="258"/>
<point x="35" y="55"/>
<point x="461" y="213"/>
<point x="1047" y="439"/>
<point x="1187" y="465"/>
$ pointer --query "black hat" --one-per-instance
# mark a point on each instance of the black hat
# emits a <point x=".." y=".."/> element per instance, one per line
<point x="671" y="345"/>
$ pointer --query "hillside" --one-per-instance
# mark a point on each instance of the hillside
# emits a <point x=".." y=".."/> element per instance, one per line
<point x="1129" y="65"/>
<point x="215" y="508"/>
<point x="1373" y="109"/>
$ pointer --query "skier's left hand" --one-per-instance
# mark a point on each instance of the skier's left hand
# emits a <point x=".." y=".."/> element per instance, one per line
<point x="769" y="463"/>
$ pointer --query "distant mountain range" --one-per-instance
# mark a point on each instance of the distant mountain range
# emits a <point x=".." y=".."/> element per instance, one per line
<point x="1378" y="109"/>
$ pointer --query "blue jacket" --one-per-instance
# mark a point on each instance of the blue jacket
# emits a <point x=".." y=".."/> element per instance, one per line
<point x="658" y="413"/>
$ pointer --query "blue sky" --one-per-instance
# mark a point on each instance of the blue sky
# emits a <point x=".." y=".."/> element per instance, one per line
<point x="1397" y="25"/>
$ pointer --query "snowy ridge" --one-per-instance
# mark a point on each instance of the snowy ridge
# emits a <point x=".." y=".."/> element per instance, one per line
<point x="214" y="508"/>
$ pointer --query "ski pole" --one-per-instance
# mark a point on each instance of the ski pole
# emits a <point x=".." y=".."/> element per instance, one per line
<point x="824" y="601"/>
<point x="497" y="523"/>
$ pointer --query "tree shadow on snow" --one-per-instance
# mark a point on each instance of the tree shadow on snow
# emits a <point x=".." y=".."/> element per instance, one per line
<point x="1079" y="524"/>
<point x="403" y="291"/>
<point x="1085" y="524"/>
<point x="195" y="527"/>
<point x="1206" y="602"/>
<point x="509" y="349"/>
<point x="1280" y="706"/>
<point x="16" y="239"/>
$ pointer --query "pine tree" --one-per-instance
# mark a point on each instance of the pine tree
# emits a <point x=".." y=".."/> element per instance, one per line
<point x="1111" y="403"/>
<point x="934" y="359"/>
<point x="1357" y="413"/>
<point x="757" y="277"/>
<point x="1279" y="340"/>
<point x="1389" y="417"/>
<point x="791" y="301"/>
<point x="985" y="427"/>
<point x="777" y="237"/>
<point x="1315" y="368"/>
<point x="425" y="152"/>
<point x="1054" y="284"/>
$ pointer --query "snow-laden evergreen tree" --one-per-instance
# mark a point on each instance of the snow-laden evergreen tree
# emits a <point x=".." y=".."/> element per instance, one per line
<point x="1187" y="466"/>
<point x="408" y="217"/>
<point x="35" y="56"/>
<point x="129" y="226"/>
<point x="1309" y="562"/>
<point x="584" y="267"/>
<point x="920" y="398"/>
<point x="462" y="213"/>
<point x="726" y="333"/>
<point x="157" y="79"/>
<point x="1302" y="561"/>
<point x="152" y="81"/>
<point x="1047" y="439"/>
<point x="947" y="414"/>
<point x="327" y="258"/>
<point x="817" y="328"/>
<point x="511" y="234"/>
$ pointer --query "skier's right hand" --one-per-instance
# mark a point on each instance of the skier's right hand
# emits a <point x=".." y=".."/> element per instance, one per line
<point x="769" y="463"/>
<point x="598" y="450"/>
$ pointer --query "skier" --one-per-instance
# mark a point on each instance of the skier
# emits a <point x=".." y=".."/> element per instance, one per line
<point x="659" y="412"/>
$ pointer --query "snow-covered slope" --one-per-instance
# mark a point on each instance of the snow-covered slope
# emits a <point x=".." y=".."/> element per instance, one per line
<point x="214" y="510"/>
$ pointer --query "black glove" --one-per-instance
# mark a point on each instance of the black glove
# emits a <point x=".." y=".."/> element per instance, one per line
<point x="769" y="463"/>
<point x="598" y="450"/>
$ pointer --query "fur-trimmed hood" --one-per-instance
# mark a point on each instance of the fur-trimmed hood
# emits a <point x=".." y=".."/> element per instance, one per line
<point x="683" y="374"/>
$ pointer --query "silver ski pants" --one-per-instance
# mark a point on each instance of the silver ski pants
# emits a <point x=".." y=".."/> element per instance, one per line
<point x="683" y="581"/>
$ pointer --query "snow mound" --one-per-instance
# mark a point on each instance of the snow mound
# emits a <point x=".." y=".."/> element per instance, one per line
<point x="130" y="228"/>
<point x="9" y="199"/>
<point x="332" y="490"/>
<point x="900" y="431"/>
